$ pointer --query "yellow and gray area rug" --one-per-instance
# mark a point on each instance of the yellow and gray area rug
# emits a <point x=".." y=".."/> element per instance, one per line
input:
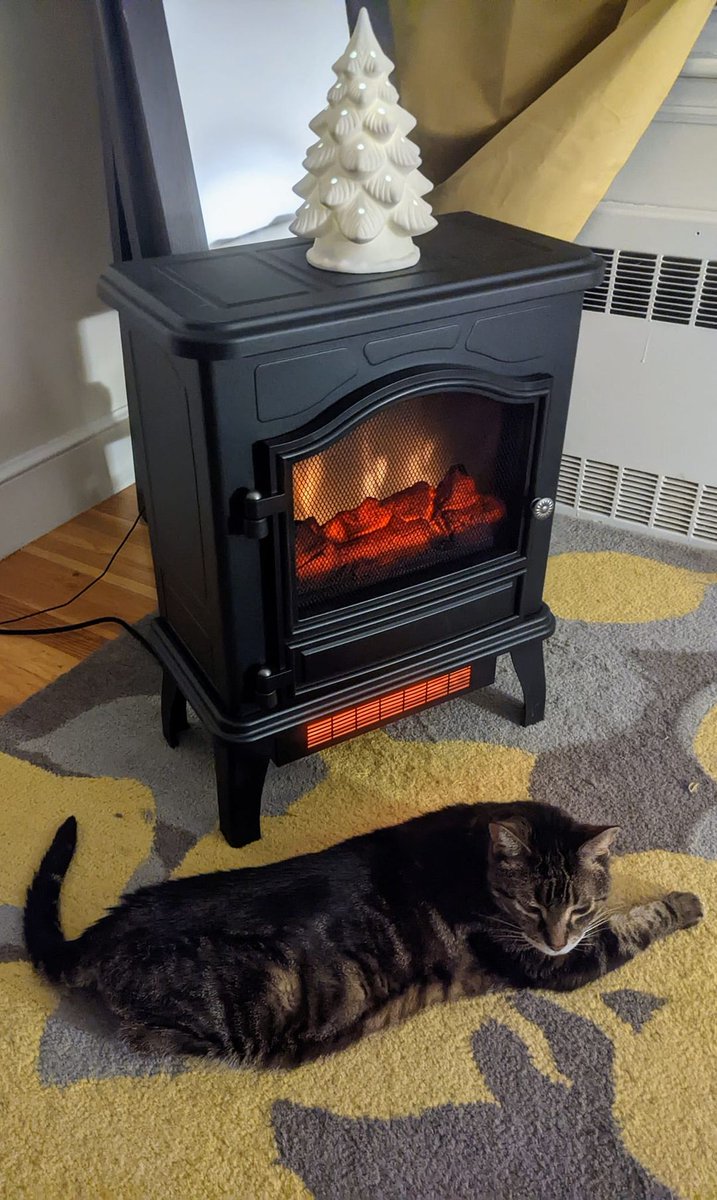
<point x="606" y="1094"/>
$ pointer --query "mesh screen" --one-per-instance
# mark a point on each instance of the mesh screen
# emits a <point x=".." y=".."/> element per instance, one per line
<point x="425" y="483"/>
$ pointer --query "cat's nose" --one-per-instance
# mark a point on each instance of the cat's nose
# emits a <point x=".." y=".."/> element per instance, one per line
<point x="557" y="939"/>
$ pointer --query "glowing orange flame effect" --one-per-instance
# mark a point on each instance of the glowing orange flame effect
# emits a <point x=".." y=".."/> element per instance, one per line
<point x="397" y="529"/>
<point x="374" y="472"/>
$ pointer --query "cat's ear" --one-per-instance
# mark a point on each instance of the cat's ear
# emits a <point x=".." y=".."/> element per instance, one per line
<point x="596" y="842"/>
<point x="509" y="838"/>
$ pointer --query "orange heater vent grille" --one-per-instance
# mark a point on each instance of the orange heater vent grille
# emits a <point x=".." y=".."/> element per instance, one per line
<point x="372" y="712"/>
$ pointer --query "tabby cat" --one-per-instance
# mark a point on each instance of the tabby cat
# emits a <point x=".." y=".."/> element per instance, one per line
<point x="275" y="965"/>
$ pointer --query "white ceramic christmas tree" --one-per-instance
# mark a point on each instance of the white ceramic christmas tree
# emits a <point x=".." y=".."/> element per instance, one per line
<point x="363" y="194"/>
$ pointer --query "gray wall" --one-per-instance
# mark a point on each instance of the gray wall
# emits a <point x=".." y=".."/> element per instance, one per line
<point x="63" y="432"/>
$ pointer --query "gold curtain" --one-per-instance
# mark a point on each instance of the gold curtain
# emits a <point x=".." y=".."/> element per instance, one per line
<point x="527" y="109"/>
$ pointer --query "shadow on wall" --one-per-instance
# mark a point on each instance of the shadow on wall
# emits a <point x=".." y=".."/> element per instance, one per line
<point x="64" y="442"/>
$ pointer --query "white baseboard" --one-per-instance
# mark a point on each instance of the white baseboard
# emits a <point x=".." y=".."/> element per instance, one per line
<point x="54" y="482"/>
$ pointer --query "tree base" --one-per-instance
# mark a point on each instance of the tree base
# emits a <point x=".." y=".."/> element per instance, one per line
<point x="387" y="252"/>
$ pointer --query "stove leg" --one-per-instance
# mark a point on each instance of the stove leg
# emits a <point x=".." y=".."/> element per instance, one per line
<point x="240" y="782"/>
<point x="174" y="710"/>
<point x="530" y="669"/>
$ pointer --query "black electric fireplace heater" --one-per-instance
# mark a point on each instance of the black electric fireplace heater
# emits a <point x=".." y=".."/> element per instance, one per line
<point x="349" y="482"/>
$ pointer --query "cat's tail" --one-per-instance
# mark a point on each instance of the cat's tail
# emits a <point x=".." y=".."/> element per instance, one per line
<point x="45" y="941"/>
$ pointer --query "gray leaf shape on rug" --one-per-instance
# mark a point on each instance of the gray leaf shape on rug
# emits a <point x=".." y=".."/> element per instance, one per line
<point x="643" y="780"/>
<point x="541" y="1139"/>
<point x="11" y="924"/>
<point x="701" y="837"/>
<point x="119" y="668"/>
<point x="692" y="714"/>
<point x="12" y="942"/>
<point x="595" y="685"/>
<point x="695" y="631"/>
<point x="633" y="1007"/>
<point x="594" y="690"/>
<point x="81" y="1041"/>
<point x="152" y="869"/>
<point x="123" y="739"/>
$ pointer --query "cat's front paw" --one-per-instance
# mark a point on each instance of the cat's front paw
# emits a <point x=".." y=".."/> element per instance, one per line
<point x="687" y="908"/>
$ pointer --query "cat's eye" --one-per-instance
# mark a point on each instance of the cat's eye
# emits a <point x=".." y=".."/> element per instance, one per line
<point x="582" y="910"/>
<point x="529" y="908"/>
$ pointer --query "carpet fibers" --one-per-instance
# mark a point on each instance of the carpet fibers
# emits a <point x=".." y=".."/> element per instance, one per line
<point x="605" y="1094"/>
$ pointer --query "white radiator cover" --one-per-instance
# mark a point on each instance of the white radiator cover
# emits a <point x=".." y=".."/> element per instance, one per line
<point x="641" y="443"/>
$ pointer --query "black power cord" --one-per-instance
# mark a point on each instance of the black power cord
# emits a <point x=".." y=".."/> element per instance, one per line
<point x="108" y="620"/>
<point x="53" y="607"/>
<point x="139" y="637"/>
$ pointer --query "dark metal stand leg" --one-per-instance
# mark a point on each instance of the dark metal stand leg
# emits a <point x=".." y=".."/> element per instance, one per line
<point x="174" y="710"/>
<point x="530" y="669"/>
<point x="484" y="673"/>
<point x="240" y="782"/>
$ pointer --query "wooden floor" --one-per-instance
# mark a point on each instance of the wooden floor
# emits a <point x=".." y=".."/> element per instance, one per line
<point x="51" y="570"/>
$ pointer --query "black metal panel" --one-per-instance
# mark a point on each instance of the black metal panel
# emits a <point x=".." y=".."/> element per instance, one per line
<point x="349" y="655"/>
<point x="215" y="305"/>
<point x="267" y="730"/>
<point x="152" y="191"/>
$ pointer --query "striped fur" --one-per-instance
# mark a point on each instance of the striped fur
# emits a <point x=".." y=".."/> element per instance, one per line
<point x="276" y="965"/>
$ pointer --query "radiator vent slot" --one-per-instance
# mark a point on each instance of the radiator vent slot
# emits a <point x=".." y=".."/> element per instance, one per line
<point x="676" y="290"/>
<point x="675" y="505"/>
<point x="680" y="507"/>
<point x="597" y="493"/>
<point x="707" y="307"/>
<point x="706" y="518"/>
<point x="656" y="287"/>
<point x="634" y="279"/>
<point x="596" y="298"/>
<point x="569" y="480"/>
<point x="636" y="496"/>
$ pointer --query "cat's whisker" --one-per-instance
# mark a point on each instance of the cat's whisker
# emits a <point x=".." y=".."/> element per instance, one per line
<point x="516" y="941"/>
<point x="599" y="923"/>
<point x="506" y="924"/>
<point x="506" y="935"/>
<point x="504" y="930"/>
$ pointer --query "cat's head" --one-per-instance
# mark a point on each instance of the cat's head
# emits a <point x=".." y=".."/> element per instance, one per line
<point x="550" y="877"/>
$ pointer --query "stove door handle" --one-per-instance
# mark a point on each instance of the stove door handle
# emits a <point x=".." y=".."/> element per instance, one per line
<point x="249" y="512"/>
<point x="267" y="684"/>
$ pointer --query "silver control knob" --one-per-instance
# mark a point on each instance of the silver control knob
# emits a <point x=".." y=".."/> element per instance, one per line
<point x="542" y="507"/>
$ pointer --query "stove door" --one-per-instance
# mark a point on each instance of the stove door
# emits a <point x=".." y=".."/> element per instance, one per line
<point x="406" y="514"/>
